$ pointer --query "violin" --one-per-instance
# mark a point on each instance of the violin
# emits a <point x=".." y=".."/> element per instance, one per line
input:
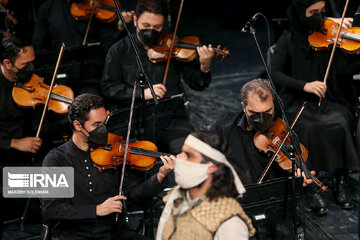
<point x="324" y="38"/>
<point x="141" y="154"/>
<point x="35" y="92"/>
<point x="270" y="141"/>
<point x="184" y="49"/>
<point x="277" y="136"/>
<point x="103" y="10"/>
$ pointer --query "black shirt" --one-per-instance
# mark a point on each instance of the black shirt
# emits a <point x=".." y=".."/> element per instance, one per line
<point x="15" y="123"/>
<point x="11" y="116"/>
<point x="295" y="63"/>
<point x="55" y="25"/>
<point x="76" y="217"/>
<point x="121" y="70"/>
<point x="243" y="153"/>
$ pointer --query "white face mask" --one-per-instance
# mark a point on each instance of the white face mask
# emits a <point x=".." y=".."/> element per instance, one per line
<point x="189" y="174"/>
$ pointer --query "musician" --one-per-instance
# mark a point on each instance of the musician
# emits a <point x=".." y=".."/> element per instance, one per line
<point x="238" y="130"/>
<point x="121" y="70"/>
<point x="90" y="214"/>
<point x="298" y="72"/>
<point x="16" y="144"/>
<point x="207" y="186"/>
<point x="55" y="25"/>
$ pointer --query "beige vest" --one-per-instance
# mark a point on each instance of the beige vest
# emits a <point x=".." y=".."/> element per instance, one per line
<point x="203" y="220"/>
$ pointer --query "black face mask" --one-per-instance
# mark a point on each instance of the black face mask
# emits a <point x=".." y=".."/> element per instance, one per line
<point x="260" y="121"/>
<point x="24" y="74"/>
<point x="98" y="136"/>
<point x="315" y="21"/>
<point x="149" y="36"/>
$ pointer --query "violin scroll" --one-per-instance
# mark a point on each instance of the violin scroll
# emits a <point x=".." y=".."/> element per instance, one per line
<point x="224" y="53"/>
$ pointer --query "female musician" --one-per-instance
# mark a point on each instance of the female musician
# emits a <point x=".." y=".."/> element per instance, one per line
<point x="298" y="70"/>
<point x="90" y="214"/>
<point x="121" y="70"/>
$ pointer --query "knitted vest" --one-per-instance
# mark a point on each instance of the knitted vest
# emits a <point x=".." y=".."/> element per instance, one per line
<point x="203" y="220"/>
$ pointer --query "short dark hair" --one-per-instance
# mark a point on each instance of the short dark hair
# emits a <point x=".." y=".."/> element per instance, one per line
<point x="151" y="6"/>
<point x="10" y="48"/>
<point x="82" y="105"/>
<point x="260" y="87"/>
<point x="223" y="180"/>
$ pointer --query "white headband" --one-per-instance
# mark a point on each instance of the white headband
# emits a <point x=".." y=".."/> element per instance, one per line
<point x="212" y="153"/>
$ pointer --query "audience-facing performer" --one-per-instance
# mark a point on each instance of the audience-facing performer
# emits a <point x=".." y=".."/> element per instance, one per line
<point x="298" y="71"/>
<point x="91" y="212"/>
<point x="204" y="205"/>
<point x="121" y="70"/>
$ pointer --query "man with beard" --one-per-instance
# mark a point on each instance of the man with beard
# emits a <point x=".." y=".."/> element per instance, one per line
<point x="204" y="205"/>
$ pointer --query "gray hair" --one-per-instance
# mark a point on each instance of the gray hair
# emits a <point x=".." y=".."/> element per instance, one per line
<point x="259" y="87"/>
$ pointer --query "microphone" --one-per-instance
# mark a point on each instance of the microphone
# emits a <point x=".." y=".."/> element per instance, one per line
<point x="250" y="22"/>
<point x="356" y="77"/>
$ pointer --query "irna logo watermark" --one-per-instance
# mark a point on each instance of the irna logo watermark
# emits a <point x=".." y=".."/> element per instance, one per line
<point x="49" y="182"/>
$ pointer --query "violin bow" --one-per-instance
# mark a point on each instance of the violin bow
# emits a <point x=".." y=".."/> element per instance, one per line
<point x="50" y="90"/>
<point x="306" y="171"/>
<point x="172" y="45"/>
<point x="334" y="47"/>
<point x="281" y="144"/>
<point x="89" y="23"/>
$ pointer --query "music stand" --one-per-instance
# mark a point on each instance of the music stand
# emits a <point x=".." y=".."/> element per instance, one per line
<point x="78" y="63"/>
<point x="271" y="201"/>
<point x="164" y="111"/>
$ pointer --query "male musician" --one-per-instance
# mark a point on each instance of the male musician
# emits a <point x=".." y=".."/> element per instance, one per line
<point x="90" y="214"/>
<point x="17" y="144"/>
<point x="204" y="205"/>
<point x="298" y="71"/>
<point x="238" y="129"/>
<point x="16" y="65"/>
<point x="121" y="70"/>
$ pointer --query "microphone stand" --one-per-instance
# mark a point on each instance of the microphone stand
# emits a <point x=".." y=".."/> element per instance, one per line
<point x="137" y="57"/>
<point x="142" y="79"/>
<point x="292" y="135"/>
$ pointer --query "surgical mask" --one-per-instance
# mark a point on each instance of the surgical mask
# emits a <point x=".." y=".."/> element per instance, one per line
<point x="260" y="121"/>
<point x="189" y="174"/>
<point x="315" y="21"/>
<point x="98" y="136"/>
<point x="149" y="36"/>
<point x="24" y="74"/>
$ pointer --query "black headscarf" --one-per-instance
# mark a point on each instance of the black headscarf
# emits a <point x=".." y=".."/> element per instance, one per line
<point x="296" y="17"/>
